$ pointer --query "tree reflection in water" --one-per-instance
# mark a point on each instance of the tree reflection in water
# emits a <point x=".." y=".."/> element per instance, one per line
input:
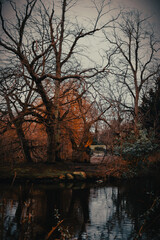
<point x="108" y="212"/>
<point x="109" y="219"/>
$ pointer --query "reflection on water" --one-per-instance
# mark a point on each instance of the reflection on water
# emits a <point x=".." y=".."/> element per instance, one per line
<point x="27" y="212"/>
<point x="109" y="217"/>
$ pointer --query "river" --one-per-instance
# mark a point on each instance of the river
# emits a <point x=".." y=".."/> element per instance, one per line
<point x="89" y="211"/>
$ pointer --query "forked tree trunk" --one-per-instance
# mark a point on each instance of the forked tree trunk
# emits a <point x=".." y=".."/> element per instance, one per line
<point x="80" y="155"/>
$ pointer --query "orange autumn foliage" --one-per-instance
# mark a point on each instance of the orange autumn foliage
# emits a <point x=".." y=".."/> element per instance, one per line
<point x="75" y="112"/>
<point x="78" y="112"/>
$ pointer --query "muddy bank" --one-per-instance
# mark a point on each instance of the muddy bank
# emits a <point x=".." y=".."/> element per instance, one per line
<point x="69" y="171"/>
<point x="54" y="172"/>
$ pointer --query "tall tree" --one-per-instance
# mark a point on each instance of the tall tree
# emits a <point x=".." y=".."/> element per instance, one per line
<point x="135" y="59"/>
<point x="45" y="42"/>
<point x="16" y="96"/>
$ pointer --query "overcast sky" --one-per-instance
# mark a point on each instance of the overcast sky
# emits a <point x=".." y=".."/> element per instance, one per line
<point x="84" y="10"/>
<point x="146" y="6"/>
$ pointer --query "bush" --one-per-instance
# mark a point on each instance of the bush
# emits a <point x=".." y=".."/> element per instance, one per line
<point x="137" y="149"/>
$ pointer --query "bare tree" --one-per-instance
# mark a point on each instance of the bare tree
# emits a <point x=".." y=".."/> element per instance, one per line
<point x="15" y="99"/>
<point x="45" y="42"/>
<point x="135" y="60"/>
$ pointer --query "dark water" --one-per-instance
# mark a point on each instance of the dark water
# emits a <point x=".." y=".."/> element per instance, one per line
<point x="89" y="211"/>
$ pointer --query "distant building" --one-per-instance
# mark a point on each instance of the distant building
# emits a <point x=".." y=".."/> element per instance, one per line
<point x="98" y="147"/>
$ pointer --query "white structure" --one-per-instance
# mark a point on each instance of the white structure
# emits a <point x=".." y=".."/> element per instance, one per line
<point x="96" y="147"/>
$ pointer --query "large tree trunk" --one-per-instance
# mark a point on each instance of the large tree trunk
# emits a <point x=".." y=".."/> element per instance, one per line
<point x="52" y="122"/>
<point x="53" y="146"/>
<point x="56" y="122"/>
<point x="19" y="129"/>
<point x="23" y="142"/>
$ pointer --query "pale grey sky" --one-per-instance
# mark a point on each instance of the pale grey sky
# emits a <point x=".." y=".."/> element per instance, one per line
<point x="83" y="10"/>
<point x="146" y="6"/>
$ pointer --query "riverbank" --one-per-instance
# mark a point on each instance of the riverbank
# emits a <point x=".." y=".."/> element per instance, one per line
<point x="68" y="171"/>
<point x="39" y="172"/>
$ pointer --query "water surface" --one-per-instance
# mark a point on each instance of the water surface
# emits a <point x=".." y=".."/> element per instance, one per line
<point x="110" y="211"/>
